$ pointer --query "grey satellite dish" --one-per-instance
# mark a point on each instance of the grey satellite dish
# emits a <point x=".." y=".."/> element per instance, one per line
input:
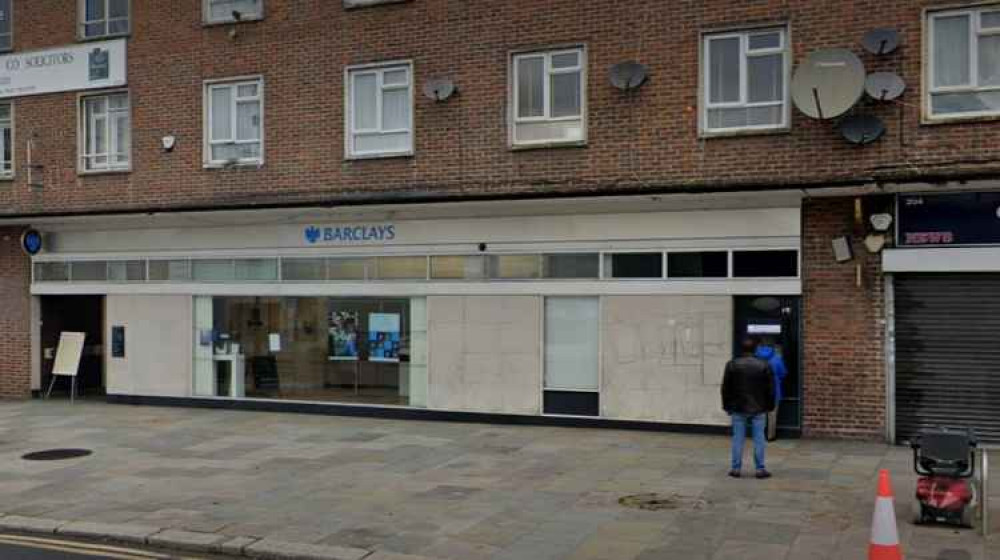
<point x="828" y="83"/>
<point x="884" y="86"/>
<point x="439" y="89"/>
<point x="880" y="41"/>
<point x="628" y="76"/>
<point x="861" y="129"/>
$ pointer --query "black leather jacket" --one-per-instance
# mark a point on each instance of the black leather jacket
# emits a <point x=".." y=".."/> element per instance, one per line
<point x="748" y="386"/>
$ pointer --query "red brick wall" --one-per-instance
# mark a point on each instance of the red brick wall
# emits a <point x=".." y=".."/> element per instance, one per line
<point x="646" y="142"/>
<point x="844" y="376"/>
<point x="15" y="321"/>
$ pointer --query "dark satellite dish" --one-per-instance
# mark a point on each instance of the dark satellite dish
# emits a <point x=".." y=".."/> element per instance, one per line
<point x="439" y="89"/>
<point x="884" y="86"/>
<point x="628" y="76"/>
<point x="880" y="41"/>
<point x="861" y="129"/>
<point x="828" y="83"/>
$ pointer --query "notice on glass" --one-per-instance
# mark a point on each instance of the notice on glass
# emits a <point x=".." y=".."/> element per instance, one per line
<point x="343" y="335"/>
<point x="274" y="342"/>
<point x="383" y="337"/>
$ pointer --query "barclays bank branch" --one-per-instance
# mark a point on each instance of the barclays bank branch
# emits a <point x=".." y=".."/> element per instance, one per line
<point x="588" y="310"/>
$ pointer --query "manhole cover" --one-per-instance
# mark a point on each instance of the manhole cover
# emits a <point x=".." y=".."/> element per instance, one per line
<point x="660" y="502"/>
<point x="56" y="454"/>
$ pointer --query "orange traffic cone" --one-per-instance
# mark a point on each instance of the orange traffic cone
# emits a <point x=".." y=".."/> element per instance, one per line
<point x="885" y="536"/>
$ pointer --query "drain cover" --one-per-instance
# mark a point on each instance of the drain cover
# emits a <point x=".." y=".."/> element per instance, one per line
<point x="56" y="454"/>
<point x="660" y="502"/>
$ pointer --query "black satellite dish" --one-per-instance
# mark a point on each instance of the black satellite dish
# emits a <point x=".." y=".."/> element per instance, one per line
<point x="861" y="129"/>
<point x="880" y="41"/>
<point x="439" y="89"/>
<point x="884" y="86"/>
<point x="628" y="76"/>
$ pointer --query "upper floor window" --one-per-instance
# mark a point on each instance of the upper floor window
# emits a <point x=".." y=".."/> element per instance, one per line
<point x="745" y="81"/>
<point x="234" y="122"/>
<point x="6" y="141"/>
<point x="103" y="18"/>
<point x="549" y="98"/>
<point x="6" y="25"/>
<point x="379" y="110"/>
<point x="964" y="50"/>
<point x="105" y="131"/>
<point x="221" y="11"/>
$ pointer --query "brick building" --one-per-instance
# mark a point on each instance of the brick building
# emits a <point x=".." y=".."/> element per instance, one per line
<point x="257" y="203"/>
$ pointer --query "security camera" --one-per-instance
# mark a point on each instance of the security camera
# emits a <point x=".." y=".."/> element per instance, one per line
<point x="237" y="16"/>
<point x="482" y="247"/>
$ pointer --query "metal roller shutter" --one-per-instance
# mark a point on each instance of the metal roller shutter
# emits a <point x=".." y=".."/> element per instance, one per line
<point x="948" y="353"/>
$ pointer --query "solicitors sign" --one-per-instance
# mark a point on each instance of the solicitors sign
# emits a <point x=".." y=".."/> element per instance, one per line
<point x="85" y="66"/>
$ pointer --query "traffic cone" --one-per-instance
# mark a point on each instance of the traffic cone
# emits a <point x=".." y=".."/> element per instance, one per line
<point x="885" y="536"/>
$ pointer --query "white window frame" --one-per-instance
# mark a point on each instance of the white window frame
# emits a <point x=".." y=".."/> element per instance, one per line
<point x="379" y="70"/>
<point x="82" y="27"/>
<point x="7" y="174"/>
<point x="977" y="31"/>
<point x="208" y="20"/>
<point x="546" y="117"/>
<point x="10" y="34"/>
<point x="84" y="131"/>
<point x="705" y="97"/>
<point x="233" y="83"/>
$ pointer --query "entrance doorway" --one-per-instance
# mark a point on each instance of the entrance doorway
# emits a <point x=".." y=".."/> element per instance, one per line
<point x="775" y="320"/>
<point x="74" y="314"/>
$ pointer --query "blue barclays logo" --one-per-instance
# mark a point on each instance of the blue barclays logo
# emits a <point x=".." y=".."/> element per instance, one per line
<point x="349" y="234"/>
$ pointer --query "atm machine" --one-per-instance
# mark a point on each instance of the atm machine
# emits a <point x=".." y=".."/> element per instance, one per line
<point x="776" y="320"/>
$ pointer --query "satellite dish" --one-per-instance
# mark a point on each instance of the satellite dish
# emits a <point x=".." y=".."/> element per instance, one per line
<point x="439" y="89"/>
<point x="861" y="129"/>
<point x="884" y="86"/>
<point x="828" y="83"/>
<point x="880" y="41"/>
<point x="628" y="76"/>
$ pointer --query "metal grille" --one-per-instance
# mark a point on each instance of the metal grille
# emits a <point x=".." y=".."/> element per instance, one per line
<point x="948" y="353"/>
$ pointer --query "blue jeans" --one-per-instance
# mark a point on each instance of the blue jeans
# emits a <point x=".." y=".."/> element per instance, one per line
<point x="757" y="422"/>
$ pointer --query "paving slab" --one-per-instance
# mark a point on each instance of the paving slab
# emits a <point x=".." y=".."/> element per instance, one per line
<point x="268" y="549"/>
<point x="30" y="524"/>
<point x="187" y="540"/>
<point x="123" y="532"/>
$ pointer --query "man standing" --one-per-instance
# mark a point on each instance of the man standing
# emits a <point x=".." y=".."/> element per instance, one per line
<point x="747" y="396"/>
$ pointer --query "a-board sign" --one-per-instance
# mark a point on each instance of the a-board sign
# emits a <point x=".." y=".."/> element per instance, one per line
<point x="68" y="353"/>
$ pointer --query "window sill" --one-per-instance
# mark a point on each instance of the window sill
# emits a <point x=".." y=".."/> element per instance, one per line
<point x="737" y="133"/>
<point x="355" y="4"/>
<point x="548" y="146"/>
<point x="98" y="172"/>
<point x="959" y="119"/>
<point x="240" y="165"/>
<point x="363" y="157"/>
<point x="222" y="22"/>
<point x="82" y="39"/>
<point x="6" y="178"/>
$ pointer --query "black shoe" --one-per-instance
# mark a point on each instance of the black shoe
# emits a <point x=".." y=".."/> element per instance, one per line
<point x="763" y="473"/>
<point x="734" y="473"/>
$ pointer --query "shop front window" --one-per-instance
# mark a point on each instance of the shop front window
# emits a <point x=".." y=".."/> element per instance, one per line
<point x="350" y="350"/>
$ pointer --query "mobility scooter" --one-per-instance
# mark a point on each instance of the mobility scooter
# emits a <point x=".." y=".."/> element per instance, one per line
<point x="945" y="461"/>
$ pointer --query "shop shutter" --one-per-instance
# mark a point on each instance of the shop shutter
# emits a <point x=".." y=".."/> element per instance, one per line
<point x="948" y="353"/>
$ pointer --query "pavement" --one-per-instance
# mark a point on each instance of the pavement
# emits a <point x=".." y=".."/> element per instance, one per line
<point x="288" y="486"/>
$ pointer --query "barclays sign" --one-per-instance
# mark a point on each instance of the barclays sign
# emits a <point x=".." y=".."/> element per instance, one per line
<point x="349" y="234"/>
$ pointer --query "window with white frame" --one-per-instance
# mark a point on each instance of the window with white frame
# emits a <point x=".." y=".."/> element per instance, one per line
<point x="964" y="50"/>
<point x="745" y="81"/>
<point x="105" y="132"/>
<point x="103" y="18"/>
<point x="380" y="110"/>
<point x="234" y="122"/>
<point x="6" y="140"/>
<point x="549" y="97"/>
<point x="220" y="11"/>
<point x="6" y="25"/>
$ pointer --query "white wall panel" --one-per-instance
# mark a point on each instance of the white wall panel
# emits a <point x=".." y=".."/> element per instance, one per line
<point x="158" y="345"/>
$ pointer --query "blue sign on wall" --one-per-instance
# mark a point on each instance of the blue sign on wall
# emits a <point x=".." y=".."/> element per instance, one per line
<point x="949" y="219"/>
<point x="349" y="234"/>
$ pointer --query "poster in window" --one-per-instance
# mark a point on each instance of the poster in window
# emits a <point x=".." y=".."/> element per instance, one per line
<point x="344" y="335"/>
<point x="383" y="337"/>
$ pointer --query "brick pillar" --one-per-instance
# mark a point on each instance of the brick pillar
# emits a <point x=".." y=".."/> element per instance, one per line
<point x="844" y="377"/>
<point x="15" y="319"/>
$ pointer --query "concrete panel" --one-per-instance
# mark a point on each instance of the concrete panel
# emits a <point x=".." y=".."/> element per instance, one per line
<point x="476" y="362"/>
<point x="158" y="345"/>
<point x="663" y="357"/>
